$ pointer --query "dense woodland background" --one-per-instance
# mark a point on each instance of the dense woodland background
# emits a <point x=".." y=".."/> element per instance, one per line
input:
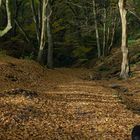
<point x="70" y="32"/>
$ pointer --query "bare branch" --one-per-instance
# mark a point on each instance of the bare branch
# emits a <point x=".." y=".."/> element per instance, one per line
<point x="0" y="3"/>
<point x="9" y="25"/>
<point x="134" y="14"/>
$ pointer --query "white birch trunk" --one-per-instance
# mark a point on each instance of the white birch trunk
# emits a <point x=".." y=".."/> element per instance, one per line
<point x="0" y="3"/>
<point x="43" y="32"/>
<point x="9" y="23"/>
<point x="124" y="46"/>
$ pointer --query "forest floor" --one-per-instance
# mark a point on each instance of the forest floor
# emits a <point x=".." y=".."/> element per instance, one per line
<point x="65" y="104"/>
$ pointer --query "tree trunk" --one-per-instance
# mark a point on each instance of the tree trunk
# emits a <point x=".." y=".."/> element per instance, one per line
<point x="0" y="3"/>
<point x="40" y="16"/>
<point x="124" y="46"/>
<point x="104" y="32"/>
<point x="36" y="20"/>
<point x="9" y="25"/>
<point x="96" y="29"/>
<point x="112" y="37"/>
<point x="15" y="15"/>
<point x="43" y="32"/>
<point x="50" y="41"/>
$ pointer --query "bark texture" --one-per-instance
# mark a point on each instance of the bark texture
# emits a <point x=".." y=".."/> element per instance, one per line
<point x="43" y="32"/>
<point x="9" y="23"/>
<point x="124" y="46"/>
<point x="96" y="29"/>
<point x="50" y="41"/>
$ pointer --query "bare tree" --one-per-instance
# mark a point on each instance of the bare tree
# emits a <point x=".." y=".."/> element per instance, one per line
<point x="124" y="46"/>
<point x="104" y="29"/>
<point x="36" y="19"/>
<point x="9" y="25"/>
<point x="112" y="35"/>
<point x="96" y="29"/>
<point x="50" y="41"/>
<point x="43" y="31"/>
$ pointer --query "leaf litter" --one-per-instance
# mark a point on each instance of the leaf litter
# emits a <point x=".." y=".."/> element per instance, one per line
<point x="59" y="105"/>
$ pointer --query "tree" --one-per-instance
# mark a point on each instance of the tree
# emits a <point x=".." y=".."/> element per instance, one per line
<point x="43" y="32"/>
<point x="96" y="29"/>
<point x="104" y="28"/>
<point x="9" y="25"/>
<point x="36" y="18"/>
<point x="49" y="35"/>
<point x="124" y="45"/>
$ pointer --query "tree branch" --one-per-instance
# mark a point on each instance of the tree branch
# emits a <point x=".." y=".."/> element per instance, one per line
<point x="9" y="25"/>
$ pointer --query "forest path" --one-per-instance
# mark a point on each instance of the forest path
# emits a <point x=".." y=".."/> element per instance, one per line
<point x="91" y="111"/>
<point x="61" y="104"/>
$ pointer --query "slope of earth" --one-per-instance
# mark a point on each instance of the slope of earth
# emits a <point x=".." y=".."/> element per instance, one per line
<point x="109" y="67"/>
<point x="62" y="104"/>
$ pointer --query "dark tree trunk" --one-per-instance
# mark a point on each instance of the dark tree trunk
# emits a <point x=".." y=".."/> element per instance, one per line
<point x="50" y="41"/>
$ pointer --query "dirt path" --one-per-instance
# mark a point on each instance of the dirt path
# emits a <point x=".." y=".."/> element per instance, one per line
<point x="65" y="105"/>
<point x="90" y="111"/>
